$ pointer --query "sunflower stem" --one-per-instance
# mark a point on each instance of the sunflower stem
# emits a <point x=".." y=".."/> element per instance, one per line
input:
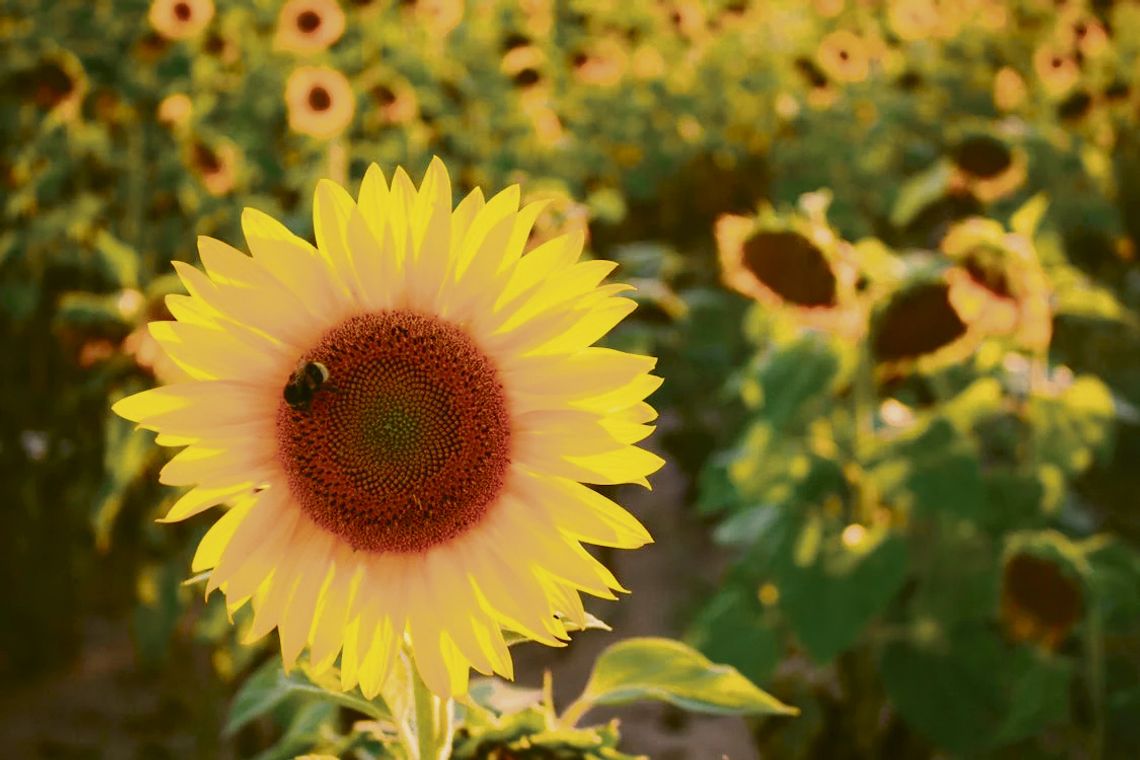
<point x="434" y="721"/>
<point x="862" y="412"/>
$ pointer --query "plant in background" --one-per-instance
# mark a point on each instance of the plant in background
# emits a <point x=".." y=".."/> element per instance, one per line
<point x="905" y="516"/>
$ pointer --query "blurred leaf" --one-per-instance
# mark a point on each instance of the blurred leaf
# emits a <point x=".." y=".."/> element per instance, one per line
<point x="829" y="602"/>
<point x="156" y="614"/>
<point x="731" y="629"/>
<point x="269" y="686"/>
<point x="120" y="261"/>
<point x="794" y="379"/>
<point x="126" y="454"/>
<point x="302" y="733"/>
<point x="937" y="471"/>
<point x="502" y="697"/>
<point x="665" y="670"/>
<point x="920" y="191"/>
<point x="977" y="693"/>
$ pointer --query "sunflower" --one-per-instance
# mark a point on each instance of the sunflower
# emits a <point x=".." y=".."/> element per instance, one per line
<point x="920" y="328"/>
<point x="1056" y="69"/>
<point x="998" y="283"/>
<point x="180" y="19"/>
<point x="1010" y="91"/>
<point x="403" y="418"/>
<point x="843" y="56"/>
<point x="175" y="110"/>
<point x="57" y="85"/>
<point x="320" y="101"/>
<point x="308" y="26"/>
<point x="215" y="164"/>
<point x="1040" y="602"/>
<point x="790" y="263"/>
<point x="987" y="167"/>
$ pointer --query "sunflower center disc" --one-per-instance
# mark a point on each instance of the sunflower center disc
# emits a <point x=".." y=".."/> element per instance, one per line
<point x="406" y="444"/>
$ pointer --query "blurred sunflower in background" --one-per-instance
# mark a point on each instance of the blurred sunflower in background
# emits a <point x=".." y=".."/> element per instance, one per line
<point x="180" y="19"/>
<point x="988" y="167"/>
<point x="919" y="328"/>
<point x="404" y="414"/>
<point x="216" y="165"/>
<point x="998" y="282"/>
<point x="308" y="26"/>
<point x="793" y="263"/>
<point x="320" y="101"/>
<point x="1041" y="597"/>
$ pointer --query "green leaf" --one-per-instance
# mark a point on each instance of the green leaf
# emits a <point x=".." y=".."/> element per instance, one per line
<point x="793" y="378"/>
<point x="731" y="629"/>
<point x="829" y="602"/>
<point x="303" y="732"/>
<point x="936" y="472"/>
<point x="975" y="693"/>
<point x="668" y="671"/>
<point x="919" y="192"/>
<point x="269" y="686"/>
<point x="119" y="260"/>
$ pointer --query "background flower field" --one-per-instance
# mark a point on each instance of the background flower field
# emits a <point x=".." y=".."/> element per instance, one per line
<point x="885" y="251"/>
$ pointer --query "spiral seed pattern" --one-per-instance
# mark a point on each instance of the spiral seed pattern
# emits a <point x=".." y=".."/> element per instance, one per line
<point x="406" y="444"/>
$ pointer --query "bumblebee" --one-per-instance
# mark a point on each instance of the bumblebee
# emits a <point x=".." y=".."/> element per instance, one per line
<point x="303" y="384"/>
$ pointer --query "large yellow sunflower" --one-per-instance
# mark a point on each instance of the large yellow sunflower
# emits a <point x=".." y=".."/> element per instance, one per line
<point x="403" y="418"/>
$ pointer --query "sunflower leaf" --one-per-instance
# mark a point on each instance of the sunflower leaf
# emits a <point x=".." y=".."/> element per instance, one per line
<point x="269" y="686"/>
<point x="668" y="671"/>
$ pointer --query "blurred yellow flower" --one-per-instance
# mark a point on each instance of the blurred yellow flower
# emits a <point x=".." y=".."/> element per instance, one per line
<point x="998" y="283"/>
<point x="920" y="329"/>
<point x="842" y="55"/>
<point x="987" y="167"/>
<point x="602" y="64"/>
<point x="180" y="19"/>
<point x="320" y="101"/>
<point x="404" y="419"/>
<point x="308" y="26"/>
<point x="175" y="110"/>
<point x="912" y="20"/>
<point x="57" y="85"/>
<point x="792" y="264"/>
<point x="1057" y="71"/>
<point x="216" y="165"/>
<point x="1010" y="90"/>
<point x="395" y="100"/>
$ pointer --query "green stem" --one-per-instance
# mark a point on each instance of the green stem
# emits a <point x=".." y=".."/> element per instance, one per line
<point x="1096" y="676"/>
<point x="863" y="399"/>
<point x="433" y="721"/>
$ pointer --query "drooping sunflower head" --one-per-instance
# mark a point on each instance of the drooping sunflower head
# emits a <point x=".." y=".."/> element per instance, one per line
<point x="404" y="419"/>
<point x="987" y="166"/>
<point x="1041" y="594"/>
<point x="790" y="262"/>
<point x="997" y="282"/>
<point x="920" y="328"/>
